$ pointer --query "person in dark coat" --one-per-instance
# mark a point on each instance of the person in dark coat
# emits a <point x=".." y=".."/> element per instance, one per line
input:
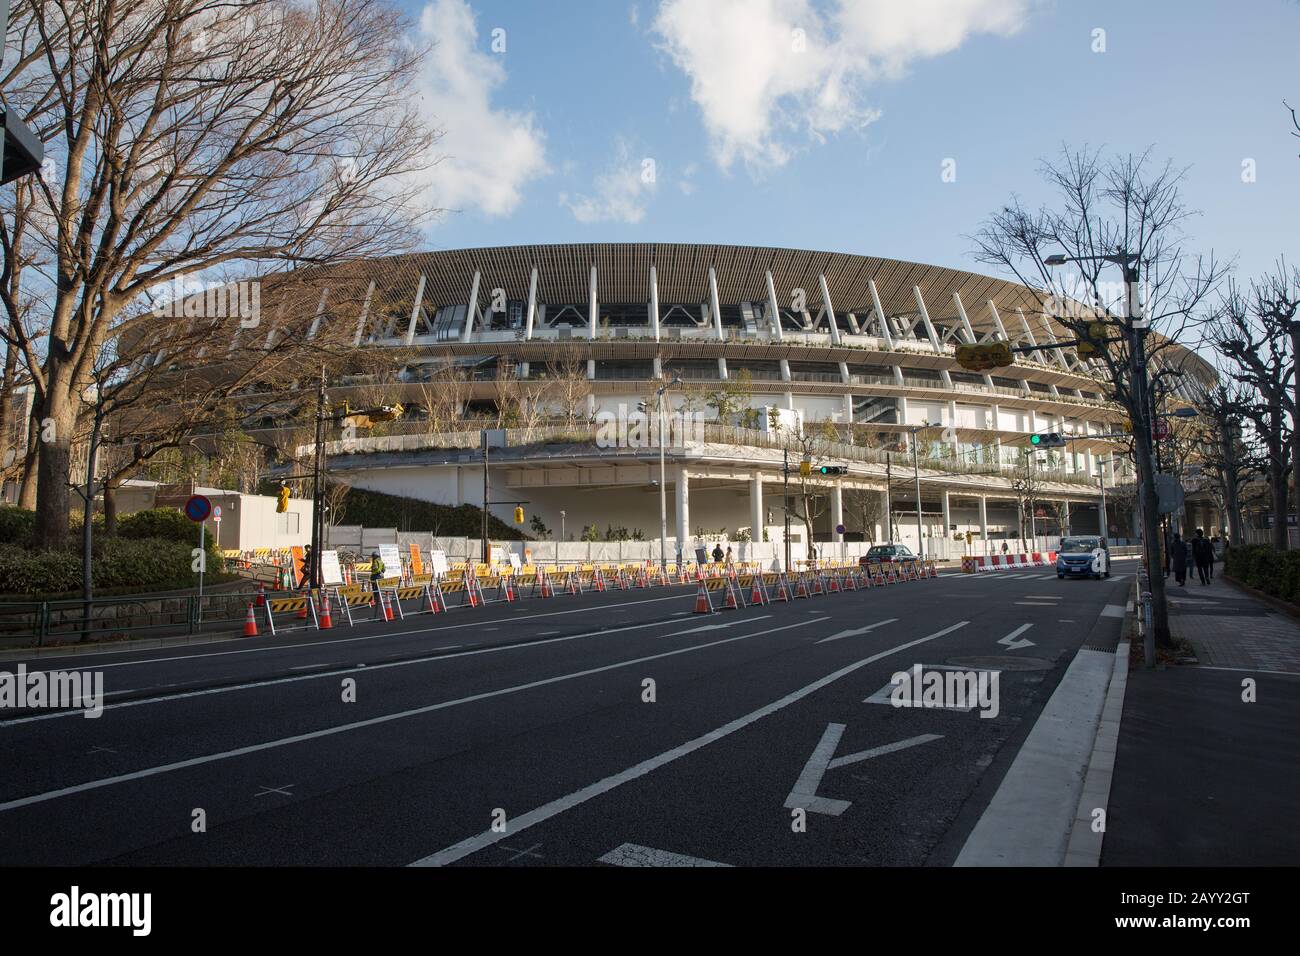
<point x="1203" y="555"/>
<point x="1178" y="559"/>
<point x="717" y="554"/>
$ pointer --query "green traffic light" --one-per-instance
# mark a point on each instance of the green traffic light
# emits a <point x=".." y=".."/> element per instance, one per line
<point x="1035" y="439"/>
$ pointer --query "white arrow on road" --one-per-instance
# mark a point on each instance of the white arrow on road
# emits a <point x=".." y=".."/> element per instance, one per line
<point x="719" y="627"/>
<point x="1012" y="643"/>
<point x="857" y="631"/>
<point x="804" y="794"/>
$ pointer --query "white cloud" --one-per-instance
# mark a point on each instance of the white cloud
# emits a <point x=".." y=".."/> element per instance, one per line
<point x="487" y="155"/>
<point x="621" y="191"/>
<point x="760" y="92"/>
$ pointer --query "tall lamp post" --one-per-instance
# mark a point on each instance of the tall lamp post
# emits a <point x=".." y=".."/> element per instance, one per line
<point x="916" y="469"/>
<point x="663" y="484"/>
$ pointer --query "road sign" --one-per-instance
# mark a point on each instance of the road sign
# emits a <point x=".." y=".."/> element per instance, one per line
<point x="198" y="507"/>
<point x="1160" y="429"/>
<point x="839" y="529"/>
<point x="1169" y="492"/>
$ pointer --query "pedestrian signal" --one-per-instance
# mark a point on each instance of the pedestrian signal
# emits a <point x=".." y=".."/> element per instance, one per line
<point x="519" y="516"/>
<point x="805" y="468"/>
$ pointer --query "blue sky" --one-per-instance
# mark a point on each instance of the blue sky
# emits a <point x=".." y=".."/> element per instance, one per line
<point x="842" y="146"/>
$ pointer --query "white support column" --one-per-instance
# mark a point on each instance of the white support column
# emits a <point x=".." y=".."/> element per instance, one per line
<point x="880" y="315"/>
<point x="830" y="310"/>
<point x="365" y="312"/>
<point x="1065" y="517"/>
<point x="902" y="410"/>
<point x="756" y="516"/>
<point x="946" y="504"/>
<point x="320" y="314"/>
<point x="531" y="315"/>
<point x="593" y="306"/>
<point x="683" y="509"/>
<point x="714" y="307"/>
<point x="785" y="369"/>
<point x="1024" y="324"/>
<point x="722" y="368"/>
<point x="965" y="321"/>
<point x="984" y="522"/>
<point x="654" y="302"/>
<point x="848" y="413"/>
<point x="658" y="369"/>
<point x="471" y="308"/>
<point x="931" y="334"/>
<point x="773" y="308"/>
<point x="844" y="372"/>
<point x="415" y="311"/>
<point x="997" y="321"/>
<point x="952" y="423"/>
<point x="1051" y="337"/>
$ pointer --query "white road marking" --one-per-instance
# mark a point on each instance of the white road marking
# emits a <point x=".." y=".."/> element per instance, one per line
<point x="856" y="631"/>
<point x="720" y="627"/>
<point x="385" y="635"/>
<point x="1013" y="641"/>
<point x="1036" y="604"/>
<point x="372" y="722"/>
<point x="555" y="807"/>
<point x="252" y="685"/>
<point x="630" y="854"/>
<point x="1043" y="597"/>
<point x="1112" y="610"/>
<point x="804" y="794"/>
<point x="301" y="667"/>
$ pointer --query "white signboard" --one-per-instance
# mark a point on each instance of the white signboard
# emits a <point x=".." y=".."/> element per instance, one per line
<point x="515" y="562"/>
<point x="496" y="555"/>
<point x="438" y="562"/>
<point x="330" y="572"/>
<point x="392" y="559"/>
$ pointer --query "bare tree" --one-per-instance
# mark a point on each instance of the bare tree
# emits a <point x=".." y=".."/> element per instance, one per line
<point x="1025" y="487"/>
<point x="196" y="137"/>
<point x="1253" y="330"/>
<point x="1126" y="209"/>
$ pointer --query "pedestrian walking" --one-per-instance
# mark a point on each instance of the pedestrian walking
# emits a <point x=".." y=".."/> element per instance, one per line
<point x="728" y="558"/>
<point x="1203" y="555"/>
<point x="1178" y="559"/>
<point x="717" y="554"/>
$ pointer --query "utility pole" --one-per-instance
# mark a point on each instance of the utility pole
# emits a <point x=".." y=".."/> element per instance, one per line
<point x="889" y="510"/>
<point x="916" y="467"/>
<point x="317" y="492"/>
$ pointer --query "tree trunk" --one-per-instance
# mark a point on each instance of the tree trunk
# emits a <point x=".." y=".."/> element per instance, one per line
<point x="1277" y="489"/>
<point x="110" y="506"/>
<point x="1151" y="536"/>
<point x="27" y="486"/>
<point x="1230" y="491"/>
<point x="54" y="463"/>
<point x="1295" y="412"/>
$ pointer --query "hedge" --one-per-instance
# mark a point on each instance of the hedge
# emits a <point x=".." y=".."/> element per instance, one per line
<point x="373" y="509"/>
<point x="153" y="551"/>
<point x="1276" y="573"/>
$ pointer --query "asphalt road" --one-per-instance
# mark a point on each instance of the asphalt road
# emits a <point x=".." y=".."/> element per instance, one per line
<point x="534" y="717"/>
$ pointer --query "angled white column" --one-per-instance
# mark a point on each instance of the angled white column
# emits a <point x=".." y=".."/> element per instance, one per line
<point x="471" y="308"/>
<point x="997" y="321"/>
<point x="654" y="301"/>
<point x="683" y="509"/>
<point x="772" y="307"/>
<point x="1029" y="334"/>
<point x="830" y="310"/>
<point x="415" y="311"/>
<point x="1058" y="353"/>
<point x="880" y="314"/>
<point x="714" y="306"/>
<point x="365" y="311"/>
<point x="965" y="320"/>
<point x="933" y="336"/>
<point x="320" y="313"/>
<point x="531" y="315"/>
<point x="593" y="308"/>
<point x="756" y="508"/>
<point x="844" y="372"/>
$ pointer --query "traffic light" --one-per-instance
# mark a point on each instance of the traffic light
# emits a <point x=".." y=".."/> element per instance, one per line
<point x="385" y="413"/>
<point x="1092" y="340"/>
<point x="282" y="505"/>
<point x="1047" y="440"/>
<point x="519" y="515"/>
<point x="832" y="470"/>
<point x="981" y="358"/>
<point x="805" y="468"/>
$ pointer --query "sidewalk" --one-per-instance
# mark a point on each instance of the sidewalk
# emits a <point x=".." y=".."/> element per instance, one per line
<point x="1203" y="778"/>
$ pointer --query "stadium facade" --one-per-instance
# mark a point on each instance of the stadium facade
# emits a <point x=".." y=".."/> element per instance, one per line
<point x="862" y="343"/>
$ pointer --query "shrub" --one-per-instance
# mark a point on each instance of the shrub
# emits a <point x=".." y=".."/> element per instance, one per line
<point x="16" y="525"/>
<point x="1276" y="573"/>
<point x="168" y="524"/>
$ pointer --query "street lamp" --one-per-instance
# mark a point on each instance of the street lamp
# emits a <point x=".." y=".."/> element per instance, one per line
<point x="916" y="469"/>
<point x="663" y="485"/>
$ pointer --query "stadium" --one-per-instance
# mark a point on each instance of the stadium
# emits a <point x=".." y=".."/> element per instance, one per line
<point x="558" y="347"/>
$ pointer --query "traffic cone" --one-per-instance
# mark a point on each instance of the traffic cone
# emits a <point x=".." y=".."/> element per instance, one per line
<point x="801" y="589"/>
<point x="302" y="613"/>
<point x="835" y="584"/>
<point x="261" y="594"/>
<point x="756" y="595"/>
<point x="730" y="604"/>
<point x="510" y="590"/>
<point x="325" y="622"/>
<point x="702" y="603"/>
<point x="546" y="586"/>
<point x="250" y="623"/>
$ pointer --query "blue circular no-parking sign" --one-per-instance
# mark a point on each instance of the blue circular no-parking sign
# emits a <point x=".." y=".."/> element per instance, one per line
<point x="198" y="508"/>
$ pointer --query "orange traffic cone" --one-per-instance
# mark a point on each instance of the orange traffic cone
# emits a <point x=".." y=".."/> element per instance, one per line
<point x="250" y="623"/>
<point x="325" y="622"/>
<point x="302" y="612"/>
<point x="546" y="586"/>
<point x="702" y="602"/>
<point x="261" y="595"/>
<point x="510" y="591"/>
<point x="756" y="596"/>
<point x="383" y="603"/>
<point x="730" y="604"/>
